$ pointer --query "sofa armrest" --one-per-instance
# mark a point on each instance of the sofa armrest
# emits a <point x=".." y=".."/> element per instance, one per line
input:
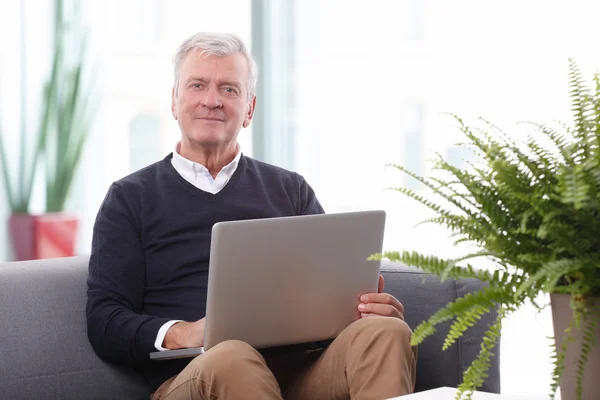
<point x="422" y="295"/>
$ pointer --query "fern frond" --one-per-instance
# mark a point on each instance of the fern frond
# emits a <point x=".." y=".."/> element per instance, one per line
<point x="491" y="212"/>
<point x="549" y="274"/>
<point x="461" y="240"/>
<point x="434" y="265"/>
<point x="434" y="220"/>
<point x="558" y="358"/>
<point x="435" y="189"/>
<point x="596" y="102"/>
<point x="581" y="106"/>
<point x="488" y="297"/>
<point x="462" y="323"/>
<point x="573" y="186"/>
<point x="558" y="139"/>
<point x="447" y="185"/>
<point x="592" y="320"/>
<point x="453" y="263"/>
<point x="544" y="157"/>
<point x="430" y="204"/>
<point x="526" y="160"/>
<point x="462" y="225"/>
<point x="489" y="148"/>
<point x="431" y="264"/>
<point x="475" y="375"/>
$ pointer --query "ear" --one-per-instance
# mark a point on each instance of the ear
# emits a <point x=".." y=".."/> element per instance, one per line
<point x="380" y="284"/>
<point x="173" y="102"/>
<point x="250" y="114"/>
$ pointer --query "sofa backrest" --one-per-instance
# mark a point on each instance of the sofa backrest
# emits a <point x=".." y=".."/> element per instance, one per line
<point x="44" y="351"/>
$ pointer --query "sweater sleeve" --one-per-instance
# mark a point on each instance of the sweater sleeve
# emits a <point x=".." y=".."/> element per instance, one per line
<point x="309" y="204"/>
<point x="117" y="329"/>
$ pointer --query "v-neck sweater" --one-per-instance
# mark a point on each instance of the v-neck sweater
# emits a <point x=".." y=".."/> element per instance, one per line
<point x="151" y="248"/>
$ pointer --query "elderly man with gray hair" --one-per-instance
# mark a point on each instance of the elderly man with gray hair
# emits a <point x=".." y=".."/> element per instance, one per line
<point x="150" y="254"/>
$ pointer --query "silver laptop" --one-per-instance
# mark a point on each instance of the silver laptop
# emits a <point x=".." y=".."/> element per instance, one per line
<point x="289" y="280"/>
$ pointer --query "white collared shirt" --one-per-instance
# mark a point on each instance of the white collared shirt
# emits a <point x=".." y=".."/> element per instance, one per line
<point x="197" y="175"/>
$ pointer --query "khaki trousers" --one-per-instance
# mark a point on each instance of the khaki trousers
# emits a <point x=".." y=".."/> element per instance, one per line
<point x="371" y="359"/>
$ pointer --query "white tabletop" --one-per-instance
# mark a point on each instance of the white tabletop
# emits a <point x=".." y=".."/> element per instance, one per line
<point x="447" y="393"/>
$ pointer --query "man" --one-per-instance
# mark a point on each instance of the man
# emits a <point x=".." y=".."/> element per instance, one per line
<point x="148" y="269"/>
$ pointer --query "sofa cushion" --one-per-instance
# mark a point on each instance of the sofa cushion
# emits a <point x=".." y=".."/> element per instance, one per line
<point x="45" y="353"/>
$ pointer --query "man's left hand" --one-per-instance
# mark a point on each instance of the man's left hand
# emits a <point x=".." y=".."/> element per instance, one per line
<point x="382" y="304"/>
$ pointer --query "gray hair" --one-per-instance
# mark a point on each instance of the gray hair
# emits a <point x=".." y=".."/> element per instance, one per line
<point x="216" y="44"/>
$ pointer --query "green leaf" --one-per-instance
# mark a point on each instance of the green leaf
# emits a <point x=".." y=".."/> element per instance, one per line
<point x="50" y="104"/>
<point x="71" y="114"/>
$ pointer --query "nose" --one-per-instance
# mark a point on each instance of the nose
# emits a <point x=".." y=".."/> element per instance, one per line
<point x="212" y="99"/>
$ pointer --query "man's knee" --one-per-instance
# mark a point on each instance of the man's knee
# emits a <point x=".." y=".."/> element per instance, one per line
<point x="227" y="358"/>
<point x="386" y="326"/>
<point x="381" y="335"/>
<point x="379" y="331"/>
<point x="383" y="332"/>
<point x="228" y="370"/>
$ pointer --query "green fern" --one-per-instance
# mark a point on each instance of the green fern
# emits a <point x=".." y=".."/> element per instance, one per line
<point x="533" y="211"/>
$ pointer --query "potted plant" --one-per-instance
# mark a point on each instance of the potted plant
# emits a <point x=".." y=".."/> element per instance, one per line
<point x="532" y="209"/>
<point x="62" y="132"/>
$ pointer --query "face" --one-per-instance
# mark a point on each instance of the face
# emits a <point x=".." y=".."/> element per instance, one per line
<point x="211" y="101"/>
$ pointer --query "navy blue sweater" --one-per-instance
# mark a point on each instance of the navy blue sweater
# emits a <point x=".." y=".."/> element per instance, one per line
<point x="150" y="252"/>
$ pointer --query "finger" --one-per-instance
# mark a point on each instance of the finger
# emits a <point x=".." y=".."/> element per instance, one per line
<point x="381" y="284"/>
<point x="384" y="310"/>
<point x="366" y="315"/>
<point x="382" y="298"/>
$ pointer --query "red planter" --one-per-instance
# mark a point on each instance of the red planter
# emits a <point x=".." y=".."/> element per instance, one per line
<point x="43" y="236"/>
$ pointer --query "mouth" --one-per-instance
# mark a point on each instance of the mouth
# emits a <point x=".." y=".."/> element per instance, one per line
<point x="210" y="119"/>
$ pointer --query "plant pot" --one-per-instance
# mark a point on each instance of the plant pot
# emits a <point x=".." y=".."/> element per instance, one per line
<point x="562" y="315"/>
<point x="43" y="236"/>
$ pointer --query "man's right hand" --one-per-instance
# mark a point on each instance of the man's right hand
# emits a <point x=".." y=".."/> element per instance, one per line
<point x="184" y="335"/>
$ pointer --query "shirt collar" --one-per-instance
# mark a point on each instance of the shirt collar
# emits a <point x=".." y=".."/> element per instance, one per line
<point x="183" y="164"/>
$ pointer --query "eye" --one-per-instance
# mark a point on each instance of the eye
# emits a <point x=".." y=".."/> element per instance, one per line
<point x="230" y="90"/>
<point x="196" y="85"/>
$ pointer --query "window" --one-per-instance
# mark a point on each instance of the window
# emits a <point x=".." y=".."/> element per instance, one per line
<point x="412" y="149"/>
<point x="144" y="142"/>
<point x="374" y="81"/>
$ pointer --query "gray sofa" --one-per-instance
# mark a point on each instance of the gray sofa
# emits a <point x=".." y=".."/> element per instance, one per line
<point x="45" y="354"/>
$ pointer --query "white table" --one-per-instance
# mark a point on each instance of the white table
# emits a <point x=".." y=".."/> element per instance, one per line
<point x="448" y="393"/>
